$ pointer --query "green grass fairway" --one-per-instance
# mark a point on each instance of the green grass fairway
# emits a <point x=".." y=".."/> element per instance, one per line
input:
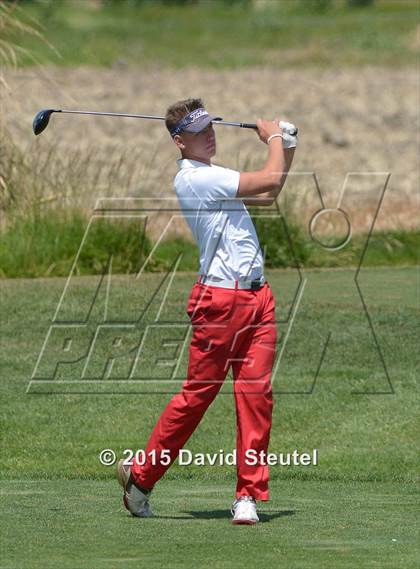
<point x="321" y="525"/>
<point x="63" y="508"/>
<point x="224" y="34"/>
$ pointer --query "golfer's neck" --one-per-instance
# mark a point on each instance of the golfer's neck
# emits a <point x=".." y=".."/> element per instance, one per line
<point x="191" y="156"/>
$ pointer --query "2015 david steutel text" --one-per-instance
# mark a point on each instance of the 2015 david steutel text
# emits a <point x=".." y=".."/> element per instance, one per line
<point x="223" y="458"/>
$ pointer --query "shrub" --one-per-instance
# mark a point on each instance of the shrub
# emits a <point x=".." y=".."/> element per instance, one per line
<point x="281" y="241"/>
<point x="47" y="245"/>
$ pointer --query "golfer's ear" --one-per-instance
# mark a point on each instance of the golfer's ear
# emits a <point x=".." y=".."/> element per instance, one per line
<point x="179" y="142"/>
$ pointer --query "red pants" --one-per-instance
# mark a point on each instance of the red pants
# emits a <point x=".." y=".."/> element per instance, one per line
<point x="230" y="328"/>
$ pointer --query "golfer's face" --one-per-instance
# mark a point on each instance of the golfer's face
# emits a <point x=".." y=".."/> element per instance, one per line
<point x="202" y="143"/>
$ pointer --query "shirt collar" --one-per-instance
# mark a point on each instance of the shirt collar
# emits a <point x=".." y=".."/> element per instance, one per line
<point x="187" y="163"/>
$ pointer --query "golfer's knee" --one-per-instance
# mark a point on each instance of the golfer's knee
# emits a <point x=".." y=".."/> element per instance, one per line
<point x="199" y="398"/>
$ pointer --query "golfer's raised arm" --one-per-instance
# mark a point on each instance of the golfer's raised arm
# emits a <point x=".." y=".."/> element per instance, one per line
<point x="263" y="186"/>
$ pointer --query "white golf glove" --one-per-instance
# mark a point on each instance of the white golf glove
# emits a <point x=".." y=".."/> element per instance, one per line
<point x="290" y="134"/>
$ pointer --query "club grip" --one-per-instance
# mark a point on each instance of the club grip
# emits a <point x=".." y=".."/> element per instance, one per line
<point x="254" y="126"/>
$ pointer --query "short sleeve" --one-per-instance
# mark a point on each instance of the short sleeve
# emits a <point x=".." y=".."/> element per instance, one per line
<point x="215" y="183"/>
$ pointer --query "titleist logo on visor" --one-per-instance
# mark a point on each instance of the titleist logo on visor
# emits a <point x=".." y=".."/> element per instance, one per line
<point x="197" y="114"/>
<point x="191" y="118"/>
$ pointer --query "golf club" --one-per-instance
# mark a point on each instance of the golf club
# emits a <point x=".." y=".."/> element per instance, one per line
<point x="42" y="118"/>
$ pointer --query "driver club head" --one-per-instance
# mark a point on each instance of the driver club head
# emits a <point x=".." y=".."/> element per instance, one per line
<point x="41" y="120"/>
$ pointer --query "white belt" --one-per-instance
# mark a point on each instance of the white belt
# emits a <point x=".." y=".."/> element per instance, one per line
<point x="253" y="284"/>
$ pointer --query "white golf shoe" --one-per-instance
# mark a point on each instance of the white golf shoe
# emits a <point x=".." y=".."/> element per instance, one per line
<point x="135" y="500"/>
<point x="244" y="511"/>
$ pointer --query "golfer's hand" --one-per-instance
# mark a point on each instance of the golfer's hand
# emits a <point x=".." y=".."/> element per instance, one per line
<point x="267" y="128"/>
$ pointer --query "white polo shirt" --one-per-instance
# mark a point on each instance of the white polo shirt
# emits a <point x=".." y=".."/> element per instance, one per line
<point x="220" y="224"/>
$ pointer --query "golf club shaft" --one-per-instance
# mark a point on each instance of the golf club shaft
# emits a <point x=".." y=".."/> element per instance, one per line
<point x="110" y="114"/>
<point x="240" y="124"/>
<point x="226" y="123"/>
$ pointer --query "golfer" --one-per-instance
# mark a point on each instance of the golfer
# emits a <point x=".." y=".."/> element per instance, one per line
<point x="231" y="308"/>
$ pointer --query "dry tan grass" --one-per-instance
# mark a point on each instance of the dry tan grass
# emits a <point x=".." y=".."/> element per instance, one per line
<point x="364" y="120"/>
<point x="413" y="39"/>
